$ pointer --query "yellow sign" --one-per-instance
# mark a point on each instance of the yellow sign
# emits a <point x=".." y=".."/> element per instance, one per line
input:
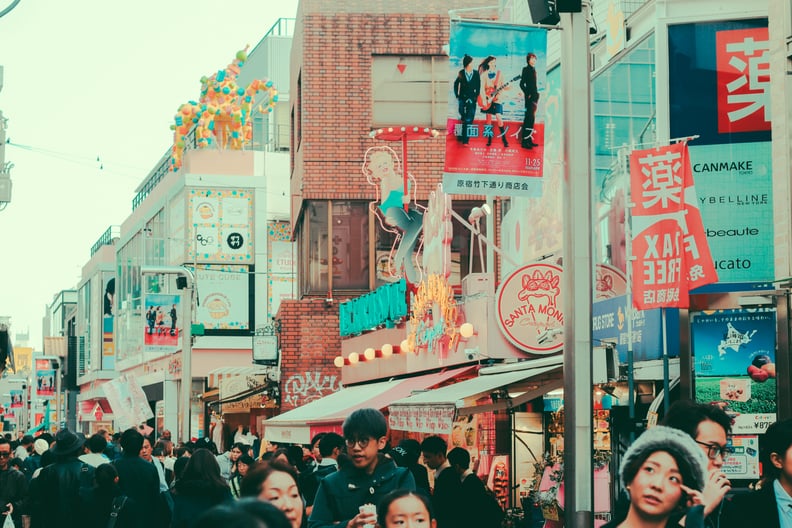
<point x="434" y="314"/>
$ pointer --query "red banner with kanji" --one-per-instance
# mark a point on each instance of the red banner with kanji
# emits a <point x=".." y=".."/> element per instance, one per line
<point x="670" y="253"/>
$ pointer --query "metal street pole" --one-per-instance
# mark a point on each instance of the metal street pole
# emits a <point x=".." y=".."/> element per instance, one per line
<point x="185" y="389"/>
<point x="578" y="452"/>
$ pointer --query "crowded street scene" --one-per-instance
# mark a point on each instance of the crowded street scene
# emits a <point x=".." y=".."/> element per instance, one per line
<point x="441" y="264"/>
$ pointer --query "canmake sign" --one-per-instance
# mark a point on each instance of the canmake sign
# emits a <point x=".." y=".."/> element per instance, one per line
<point x="530" y="310"/>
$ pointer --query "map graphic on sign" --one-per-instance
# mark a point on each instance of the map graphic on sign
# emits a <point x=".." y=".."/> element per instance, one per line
<point x="734" y="339"/>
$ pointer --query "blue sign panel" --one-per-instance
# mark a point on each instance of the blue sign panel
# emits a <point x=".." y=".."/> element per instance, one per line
<point x="609" y="325"/>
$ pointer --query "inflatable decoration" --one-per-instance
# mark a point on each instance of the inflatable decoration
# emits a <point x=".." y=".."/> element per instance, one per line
<point x="222" y="116"/>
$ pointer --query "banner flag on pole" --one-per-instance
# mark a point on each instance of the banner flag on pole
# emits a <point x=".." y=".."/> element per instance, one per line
<point x="670" y="253"/>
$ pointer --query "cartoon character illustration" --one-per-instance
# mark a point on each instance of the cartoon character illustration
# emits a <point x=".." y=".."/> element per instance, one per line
<point x="394" y="207"/>
<point x="540" y="285"/>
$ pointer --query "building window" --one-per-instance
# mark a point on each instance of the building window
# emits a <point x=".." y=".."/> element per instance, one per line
<point x="335" y="247"/>
<point x="410" y="90"/>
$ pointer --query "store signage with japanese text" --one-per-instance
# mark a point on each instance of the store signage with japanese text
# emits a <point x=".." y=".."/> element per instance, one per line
<point x="609" y="325"/>
<point x="530" y="308"/>
<point x="669" y="247"/>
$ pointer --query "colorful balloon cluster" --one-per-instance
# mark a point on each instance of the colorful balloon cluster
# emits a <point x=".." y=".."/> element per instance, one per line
<point x="222" y="116"/>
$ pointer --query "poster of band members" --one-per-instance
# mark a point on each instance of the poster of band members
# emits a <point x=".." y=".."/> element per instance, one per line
<point x="734" y="365"/>
<point x="161" y="322"/>
<point x="495" y="137"/>
<point x="16" y="399"/>
<point x="45" y="378"/>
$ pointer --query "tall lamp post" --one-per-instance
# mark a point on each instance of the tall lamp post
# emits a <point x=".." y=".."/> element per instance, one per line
<point x="187" y="285"/>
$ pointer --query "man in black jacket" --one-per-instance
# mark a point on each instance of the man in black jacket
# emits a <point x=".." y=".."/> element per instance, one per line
<point x="13" y="485"/>
<point x="55" y="498"/>
<point x="531" y="92"/>
<point x="482" y="507"/>
<point x="448" y="509"/>
<point x="139" y="480"/>
<point x="467" y="86"/>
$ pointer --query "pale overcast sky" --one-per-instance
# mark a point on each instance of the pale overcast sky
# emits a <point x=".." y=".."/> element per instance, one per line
<point x="90" y="79"/>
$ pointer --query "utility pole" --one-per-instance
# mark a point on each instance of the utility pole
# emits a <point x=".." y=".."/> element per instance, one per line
<point x="576" y="101"/>
<point x="185" y="389"/>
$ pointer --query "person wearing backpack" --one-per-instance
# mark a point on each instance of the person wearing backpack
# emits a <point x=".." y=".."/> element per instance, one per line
<point x="55" y="494"/>
<point x="108" y="507"/>
<point x="481" y="505"/>
<point x="139" y="480"/>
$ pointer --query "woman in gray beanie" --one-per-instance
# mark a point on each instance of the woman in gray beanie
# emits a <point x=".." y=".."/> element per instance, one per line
<point x="663" y="471"/>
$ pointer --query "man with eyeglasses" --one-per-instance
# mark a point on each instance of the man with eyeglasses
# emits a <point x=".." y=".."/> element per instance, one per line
<point x="13" y="485"/>
<point x="710" y="427"/>
<point x="364" y="480"/>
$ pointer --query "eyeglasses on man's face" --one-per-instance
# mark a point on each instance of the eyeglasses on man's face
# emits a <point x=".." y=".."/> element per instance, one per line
<point x="362" y="442"/>
<point x="5" y="454"/>
<point x="715" y="450"/>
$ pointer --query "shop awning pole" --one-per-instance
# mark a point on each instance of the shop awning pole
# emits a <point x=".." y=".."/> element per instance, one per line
<point x="577" y="279"/>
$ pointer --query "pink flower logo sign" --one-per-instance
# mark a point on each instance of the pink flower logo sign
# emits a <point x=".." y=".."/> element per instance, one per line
<point x="530" y="308"/>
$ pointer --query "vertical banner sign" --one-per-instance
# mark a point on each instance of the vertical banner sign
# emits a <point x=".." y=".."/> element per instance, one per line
<point x="161" y="329"/>
<point x="734" y="365"/>
<point x="670" y="254"/>
<point x="743" y="62"/>
<point x="45" y="378"/>
<point x="495" y="139"/>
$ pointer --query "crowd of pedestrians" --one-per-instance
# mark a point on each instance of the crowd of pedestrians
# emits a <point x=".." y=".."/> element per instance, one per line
<point x="672" y="475"/>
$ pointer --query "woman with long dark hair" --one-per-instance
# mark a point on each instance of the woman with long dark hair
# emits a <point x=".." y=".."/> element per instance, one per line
<point x="200" y="487"/>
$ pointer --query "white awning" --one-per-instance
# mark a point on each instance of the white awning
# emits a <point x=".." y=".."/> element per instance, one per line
<point x="434" y="411"/>
<point x="327" y="414"/>
<point x="214" y="376"/>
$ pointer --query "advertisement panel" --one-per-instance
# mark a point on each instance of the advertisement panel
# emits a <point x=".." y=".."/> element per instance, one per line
<point x="495" y="139"/>
<point x="128" y="402"/>
<point x="734" y="365"/>
<point x="225" y="297"/>
<point x="161" y="331"/>
<point x="222" y="223"/>
<point x="719" y="90"/>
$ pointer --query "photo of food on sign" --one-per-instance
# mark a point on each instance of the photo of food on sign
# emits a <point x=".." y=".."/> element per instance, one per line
<point x="734" y="360"/>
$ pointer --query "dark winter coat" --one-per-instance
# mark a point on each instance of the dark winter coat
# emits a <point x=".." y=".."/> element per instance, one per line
<point x="341" y="494"/>
<point x="193" y="497"/>
<point x="13" y="489"/>
<point x="139" y="480"/>
<point x="54" y="496"/>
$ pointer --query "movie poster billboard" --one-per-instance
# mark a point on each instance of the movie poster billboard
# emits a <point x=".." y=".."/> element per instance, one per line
<point x="734" y="365"/>
<point x="16" y="399"/>
<point x="494" y="144"/>
<point x="161" y="330"/>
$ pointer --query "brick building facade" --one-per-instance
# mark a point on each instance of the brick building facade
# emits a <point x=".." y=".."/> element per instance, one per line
<point x="356" y="66"/>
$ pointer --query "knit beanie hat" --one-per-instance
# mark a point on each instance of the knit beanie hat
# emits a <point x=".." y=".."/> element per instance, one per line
<point x="690" y="459"/>
<point x="40" y="445"/>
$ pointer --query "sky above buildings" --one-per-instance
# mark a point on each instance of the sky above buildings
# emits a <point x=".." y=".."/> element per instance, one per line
<point x="90" y="89"/>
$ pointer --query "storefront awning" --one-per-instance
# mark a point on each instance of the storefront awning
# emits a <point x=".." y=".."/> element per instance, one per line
<point x="434" y="411"/>
<point x="299" y="425"/>
<point x="214" y="376"/>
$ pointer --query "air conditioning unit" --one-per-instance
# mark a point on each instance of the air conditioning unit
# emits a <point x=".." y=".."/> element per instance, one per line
<point x="604" y="364"/>
<point x="475" y="283"/>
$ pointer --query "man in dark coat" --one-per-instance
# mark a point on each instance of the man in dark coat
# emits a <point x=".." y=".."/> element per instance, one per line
<point x="139" y="480"/>
<point x="483" y="510"/>
<point x="467" y="86"/>
<point x="13" y="484"/>
<point x="54" y="498"/>
<point x="531" y="92"/>
<point x="447" y="486"/>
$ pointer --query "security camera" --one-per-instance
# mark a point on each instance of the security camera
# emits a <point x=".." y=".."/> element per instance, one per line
<point x="471" y="356"/>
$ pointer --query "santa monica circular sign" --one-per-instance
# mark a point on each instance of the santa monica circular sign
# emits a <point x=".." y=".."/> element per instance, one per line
<point x="530" y="310"/>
